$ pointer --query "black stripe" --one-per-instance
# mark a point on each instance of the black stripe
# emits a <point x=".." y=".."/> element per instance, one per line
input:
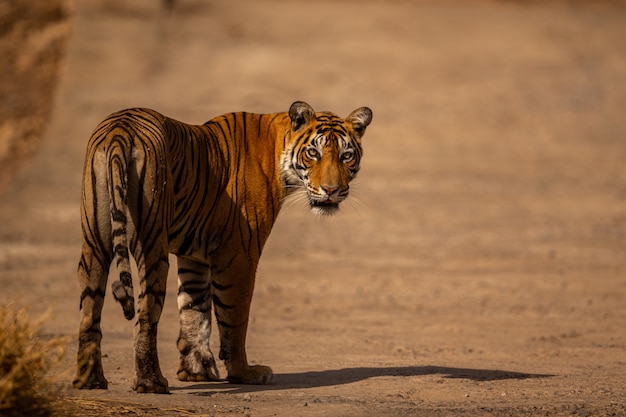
<point x="221" y="304"/>
<point x="190" y="271"/>
<point x="221" y="287"/>
<point x="118" y="216"/>
<point x="126" y="278"/>
<point x="226" y="325"/>
<point x="88" y="292"/>
<point x="121" y="251"/>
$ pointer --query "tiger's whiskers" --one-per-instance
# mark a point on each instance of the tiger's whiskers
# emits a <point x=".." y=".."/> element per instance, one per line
<point x="297" y="196"/>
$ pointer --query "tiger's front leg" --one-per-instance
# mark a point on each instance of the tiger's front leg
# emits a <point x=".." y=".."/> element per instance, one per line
<point x="194" y="306"/>
<point x="232" y="294"/>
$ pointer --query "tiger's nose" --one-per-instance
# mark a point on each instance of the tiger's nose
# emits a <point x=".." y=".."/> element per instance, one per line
<point x="330" y="189"/>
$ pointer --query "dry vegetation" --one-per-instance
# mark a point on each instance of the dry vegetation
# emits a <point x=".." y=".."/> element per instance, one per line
<point x="25" y="358"/>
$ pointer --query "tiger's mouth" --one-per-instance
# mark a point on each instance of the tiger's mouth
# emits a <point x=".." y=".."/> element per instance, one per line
<point x="324" y="204"/>
<point x="325" y="208"/>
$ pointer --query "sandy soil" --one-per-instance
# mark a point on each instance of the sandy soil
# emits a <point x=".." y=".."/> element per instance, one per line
<point x="481" y="266"/>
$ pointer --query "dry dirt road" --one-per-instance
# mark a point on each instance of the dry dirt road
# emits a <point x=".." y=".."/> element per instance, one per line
<point x="481" y="268"/>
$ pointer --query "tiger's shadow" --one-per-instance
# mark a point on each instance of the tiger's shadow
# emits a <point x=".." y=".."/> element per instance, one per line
<point x="314" y="379"/>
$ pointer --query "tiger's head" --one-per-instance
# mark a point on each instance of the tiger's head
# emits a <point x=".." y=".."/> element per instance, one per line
<point x="324" y="154"/>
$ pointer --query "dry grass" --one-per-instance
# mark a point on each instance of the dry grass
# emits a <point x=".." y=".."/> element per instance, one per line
<point x="25" y="358"/>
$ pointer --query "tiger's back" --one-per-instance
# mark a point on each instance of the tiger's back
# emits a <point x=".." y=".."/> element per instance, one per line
<point x="209" y="194"/>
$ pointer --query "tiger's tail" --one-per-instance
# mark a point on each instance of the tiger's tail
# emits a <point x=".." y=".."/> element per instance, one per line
<point x="118" y="155"/>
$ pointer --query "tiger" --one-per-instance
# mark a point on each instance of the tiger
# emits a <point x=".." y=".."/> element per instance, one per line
<point x="208" y="194"/>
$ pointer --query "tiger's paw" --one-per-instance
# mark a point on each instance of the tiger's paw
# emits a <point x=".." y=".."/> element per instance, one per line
<point x="256" y="374"/>
<point x="90" y="374"/>
<point x="204" y="375"/>
<point x="198" y="367"/>
<point x="90" y="381"/>
<point x="151" y="385"/>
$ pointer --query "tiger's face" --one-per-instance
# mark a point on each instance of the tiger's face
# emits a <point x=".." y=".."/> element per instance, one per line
<point x="324" y="156"/>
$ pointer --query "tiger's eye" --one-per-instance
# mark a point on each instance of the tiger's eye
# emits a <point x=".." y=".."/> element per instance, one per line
<point x="313" y="153"/>
<point x="347" y="156"/>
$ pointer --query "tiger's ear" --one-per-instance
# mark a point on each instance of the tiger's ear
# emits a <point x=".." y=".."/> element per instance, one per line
<point x="360" y="119"/>
<point x="300" y="114"/>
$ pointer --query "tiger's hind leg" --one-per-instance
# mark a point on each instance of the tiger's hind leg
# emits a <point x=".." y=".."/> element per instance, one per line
<point x="152" y="268"/>
<point x="93" y="269"/>
<point x="194" y="305"/>
<point x="92" y="279"/>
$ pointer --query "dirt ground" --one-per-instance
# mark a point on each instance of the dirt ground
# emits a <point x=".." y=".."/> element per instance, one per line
<point x="480" y="267"/>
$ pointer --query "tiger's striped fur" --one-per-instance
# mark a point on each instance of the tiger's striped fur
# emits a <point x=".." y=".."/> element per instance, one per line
<point x="208" y="194"/>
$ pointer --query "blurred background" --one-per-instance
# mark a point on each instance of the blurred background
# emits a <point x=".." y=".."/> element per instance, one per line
<point x="490" y="209"/>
